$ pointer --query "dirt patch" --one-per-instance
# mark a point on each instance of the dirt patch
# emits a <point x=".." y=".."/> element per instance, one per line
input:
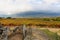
<point x="16" y="36"/>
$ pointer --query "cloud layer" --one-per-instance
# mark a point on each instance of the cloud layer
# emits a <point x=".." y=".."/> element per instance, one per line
<point x="11" y="6"/>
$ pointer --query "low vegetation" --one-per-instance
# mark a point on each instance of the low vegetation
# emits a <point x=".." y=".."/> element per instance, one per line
<point x="51" y="35"/>
<point x="41" y="22"/>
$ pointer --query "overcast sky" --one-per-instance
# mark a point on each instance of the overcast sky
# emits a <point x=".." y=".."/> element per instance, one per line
<point x="12" y="6"/>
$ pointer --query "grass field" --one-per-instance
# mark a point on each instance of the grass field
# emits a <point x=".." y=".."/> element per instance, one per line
<point x="42" y="22"/>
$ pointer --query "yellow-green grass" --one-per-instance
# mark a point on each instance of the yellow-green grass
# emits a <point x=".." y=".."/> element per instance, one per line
<point x="18" y="21"/>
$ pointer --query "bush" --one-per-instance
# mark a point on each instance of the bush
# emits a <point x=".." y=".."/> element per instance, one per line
<point x="8" y="17"/>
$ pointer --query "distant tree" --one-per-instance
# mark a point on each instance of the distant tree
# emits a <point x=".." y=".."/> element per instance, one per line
<point x="46" y="19"/>
<point x="56" y="19"/>
<point x="8" y="17"/>
<point x="0" y="17"/>
<point x="53" y="19"/>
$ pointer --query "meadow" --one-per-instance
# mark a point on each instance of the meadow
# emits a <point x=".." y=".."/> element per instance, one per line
<point x="40" y="22"/>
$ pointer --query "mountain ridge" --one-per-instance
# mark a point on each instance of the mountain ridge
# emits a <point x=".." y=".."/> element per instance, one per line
<point x="36" y="14"/>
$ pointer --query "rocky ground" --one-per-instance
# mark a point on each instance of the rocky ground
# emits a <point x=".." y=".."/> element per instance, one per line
<point x="37" y="35"/>
<point x="34" y="34"/>
<point x="31" y="34"/>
